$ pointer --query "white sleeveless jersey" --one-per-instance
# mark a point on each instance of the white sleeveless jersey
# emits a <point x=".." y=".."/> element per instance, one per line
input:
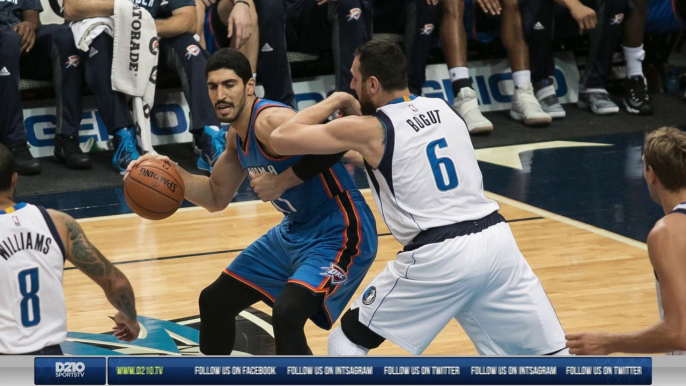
<point x="428" y="176"/>
<point x="32" y="310"/>
<point x="681" y="208"/>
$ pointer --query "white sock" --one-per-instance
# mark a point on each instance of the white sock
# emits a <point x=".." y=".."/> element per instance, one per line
<point x="634" y="60"/>
<point x="458" y="73"/>
<point x="339" y="344"/>
<point x="521" y="77"/>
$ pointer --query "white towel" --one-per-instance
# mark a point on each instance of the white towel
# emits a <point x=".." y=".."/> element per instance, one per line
<point x="85" y="31"/>
<point x="134" y="63"/>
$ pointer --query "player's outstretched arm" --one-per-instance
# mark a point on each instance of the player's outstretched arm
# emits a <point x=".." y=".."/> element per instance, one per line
<point x="665" y="248"/>
<point x="86" y="257"/>
<point x="213" y="193"/>
<point x="302" y="134"/>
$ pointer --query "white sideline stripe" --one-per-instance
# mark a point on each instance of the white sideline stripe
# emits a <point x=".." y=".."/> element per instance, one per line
<point x="568" y="221"/>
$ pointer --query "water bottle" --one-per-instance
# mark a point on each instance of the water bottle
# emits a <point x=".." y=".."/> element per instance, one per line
<point x="672" y="81"/>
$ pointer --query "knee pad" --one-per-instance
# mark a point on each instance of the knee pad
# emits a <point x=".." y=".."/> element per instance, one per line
<point x="357" y="332"/>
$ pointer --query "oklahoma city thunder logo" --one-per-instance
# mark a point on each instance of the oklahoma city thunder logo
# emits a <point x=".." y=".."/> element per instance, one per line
<point x="338" y="275"/>
<point x="617" y="19"/>
<point x="427" y="29"/>
<point x="369" y="295"/>
<point x="192" y="51"/>
<point x="73" y="61"/>
<point x="354" y="14"/>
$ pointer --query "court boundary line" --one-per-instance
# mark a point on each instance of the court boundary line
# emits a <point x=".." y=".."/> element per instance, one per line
<point x="566" y="220"/>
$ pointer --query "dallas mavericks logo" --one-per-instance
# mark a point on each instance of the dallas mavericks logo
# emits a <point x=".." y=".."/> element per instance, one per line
<point x="354" y="14"/>
<point x="338" y="275"/>
<point x="369" y="295"/>
<point x="73" y="61"/>
<point x="617" y="19"/>
<point x="192" y="51"/>
<point x="427" y="30"/>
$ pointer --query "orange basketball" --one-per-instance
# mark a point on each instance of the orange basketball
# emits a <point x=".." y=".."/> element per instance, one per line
<point x="154" y="190"/>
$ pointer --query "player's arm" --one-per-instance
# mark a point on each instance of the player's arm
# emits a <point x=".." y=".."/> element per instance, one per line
<point x="215" y="192"/>
<point x="269" y="187"/>
<point x="75" y="10"/>
<point x="665" y="249"/>
<point x="88" y="259"/>
<point x="303" y="134"/>
<point x="183" y="20"/>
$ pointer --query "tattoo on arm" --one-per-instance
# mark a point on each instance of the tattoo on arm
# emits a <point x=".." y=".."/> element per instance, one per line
<point x="90" y="261"/>
<point x="383" y="133"/>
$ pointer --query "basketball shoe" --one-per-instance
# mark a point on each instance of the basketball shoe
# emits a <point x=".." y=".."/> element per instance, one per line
<point x="467" y="106"/>
<point x="636" y="98"/>
<point x="525" y="107"/>
<point x="546" y="96"/>
<point x="210" y="144"/>
<point x="124" y="143"/>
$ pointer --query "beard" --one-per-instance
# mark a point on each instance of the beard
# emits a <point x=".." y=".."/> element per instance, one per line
<point x="237" y="110"/>
<point x="366" y="104"/>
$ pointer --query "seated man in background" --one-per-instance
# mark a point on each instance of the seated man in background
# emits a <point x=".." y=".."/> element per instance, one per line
<point x="327" y="25"/>
<point x="43" y="53"/>
<point x="605" y="33"/>
<point x="179" y="51"/>
<point x="416" y="20"/>
<point x="525" y="107"/>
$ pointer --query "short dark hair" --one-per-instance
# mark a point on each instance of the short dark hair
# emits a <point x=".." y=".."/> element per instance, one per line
<point x="385" y="61"/>
<point x="665" y="151"/>
<point x="6" y="167"/>
<point x="230" y="59"/>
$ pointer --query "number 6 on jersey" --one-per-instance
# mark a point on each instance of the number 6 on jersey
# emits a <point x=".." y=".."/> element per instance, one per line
<point x="447" y="163"/>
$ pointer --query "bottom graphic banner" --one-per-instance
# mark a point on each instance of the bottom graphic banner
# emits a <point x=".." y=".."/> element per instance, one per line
<point x="380" y="370"/>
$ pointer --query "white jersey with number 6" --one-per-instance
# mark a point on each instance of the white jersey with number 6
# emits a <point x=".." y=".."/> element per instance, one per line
<point x="428" y="176"/>
<point x="32" y="310"/>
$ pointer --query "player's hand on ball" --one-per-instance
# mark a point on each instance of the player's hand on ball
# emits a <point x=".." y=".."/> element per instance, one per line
<point x="267" y="186"/>
<point x="125" y="329"/>
<point x="133" y="164"/>
<point x="588" y="343"/>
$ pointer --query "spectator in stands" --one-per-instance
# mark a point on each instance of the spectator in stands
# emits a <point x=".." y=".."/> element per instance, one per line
<point x="604" y="34"/>
<point x="40" y="51"/>
<point x="179" y="51"/>
<point x="326" y="25"/>
<point x="229" y="23"/>
<point x="415" y="20"/>
<point x="525" y="107"/>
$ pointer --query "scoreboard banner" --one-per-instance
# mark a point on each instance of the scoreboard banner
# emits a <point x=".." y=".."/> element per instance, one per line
<point x="554" y="370"/>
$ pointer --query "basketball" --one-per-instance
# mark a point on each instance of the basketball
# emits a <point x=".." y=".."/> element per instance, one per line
<point x="154" y="190"/>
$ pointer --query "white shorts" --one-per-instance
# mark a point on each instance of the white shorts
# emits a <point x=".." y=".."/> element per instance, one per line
<point x="482" y="280"/>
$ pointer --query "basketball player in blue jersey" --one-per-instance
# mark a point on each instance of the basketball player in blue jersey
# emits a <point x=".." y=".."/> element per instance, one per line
<point x="310" y="264"/>
<point x="460" y="259"/>
<point x="664" y="157"/>
<point x="34" y="244"/>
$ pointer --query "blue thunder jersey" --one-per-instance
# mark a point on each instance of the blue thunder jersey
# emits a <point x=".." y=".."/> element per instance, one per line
<point x="306" y="201"/>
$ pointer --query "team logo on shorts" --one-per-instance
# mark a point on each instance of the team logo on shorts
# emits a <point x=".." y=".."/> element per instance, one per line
<point x="617" y="19"/>
<point x="192" y="51"/>
<point x="73" y="61"/>
<point x="427" y="29"/>
<point x="369" y="295"/>
<point x="16" y="221"/>
<point x="354" y="14"/>
<point x="154" y="45"/>
<point x="338" y="275"/>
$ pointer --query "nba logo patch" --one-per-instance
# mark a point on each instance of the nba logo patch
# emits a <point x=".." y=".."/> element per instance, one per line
<point x="338" y="275"/>
<point x="191" y="51"/>
<point x="16" y="220"/>
<point x="427" y="29"/>
<point x="73" y="61"/>
<point x="617" y="19"/>
<point x="369" y="295"/>
<point x="354" y="14"/>
<point x="414" y="109"/>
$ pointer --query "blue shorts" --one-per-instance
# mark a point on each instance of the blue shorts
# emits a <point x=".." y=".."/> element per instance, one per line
<point x="329" y="255"/>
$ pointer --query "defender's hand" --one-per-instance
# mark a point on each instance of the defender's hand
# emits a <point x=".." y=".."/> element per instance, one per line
<point x="125" y="329"/>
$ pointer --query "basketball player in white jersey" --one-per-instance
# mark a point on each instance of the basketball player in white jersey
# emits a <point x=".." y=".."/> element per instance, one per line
<point x="664" y="157"/>
<point x="460" y="259"/>
<point x="34" y="242"/>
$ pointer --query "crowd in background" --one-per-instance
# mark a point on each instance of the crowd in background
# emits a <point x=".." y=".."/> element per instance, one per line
<point x="265" y="30"/>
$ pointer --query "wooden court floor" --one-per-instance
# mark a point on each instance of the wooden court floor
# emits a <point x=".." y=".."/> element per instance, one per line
<point x="595" y="279"/>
